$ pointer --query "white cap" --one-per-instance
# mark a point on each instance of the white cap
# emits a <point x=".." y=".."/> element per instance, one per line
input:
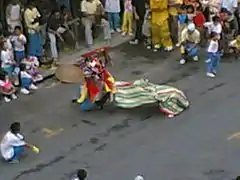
<point x="191" y="27"/>
<point x="139" y="178"/>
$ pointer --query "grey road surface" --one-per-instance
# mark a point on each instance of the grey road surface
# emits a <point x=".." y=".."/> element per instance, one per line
<point x="117" y="144"/>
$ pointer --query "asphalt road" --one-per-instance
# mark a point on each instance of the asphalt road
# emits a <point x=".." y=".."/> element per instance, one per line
<point x="120" y="144"/>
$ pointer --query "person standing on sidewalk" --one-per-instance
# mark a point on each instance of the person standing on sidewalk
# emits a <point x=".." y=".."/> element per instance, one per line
<point x="139" y="10"/>
<point x="112" y="7"/>
<point x="31" y="17"/>
<point x="127" y="25"/>
<point x="91" y="9"/>
<point x="214" y="55"/>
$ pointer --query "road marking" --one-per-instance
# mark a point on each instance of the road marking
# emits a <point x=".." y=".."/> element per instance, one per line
<point x="51" y="132"/>
<point x="234" y="136"/>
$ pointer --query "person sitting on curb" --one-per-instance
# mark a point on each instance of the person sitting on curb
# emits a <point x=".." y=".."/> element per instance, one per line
<point x="13" y="144"/>
<point x="6" y="87"/>
<point x="26" y="80"/>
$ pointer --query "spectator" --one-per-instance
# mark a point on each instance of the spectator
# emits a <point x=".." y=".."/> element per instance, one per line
<point x="139" y="10"/>
<point x="13" y="144"/>
<point x="91" y="9"/>
<point x="6" y="88"/>
<point x="31" y="17"/>
<point x="112" y="7"/>
<point x="146" y="29"/>
<point x="55" y="30"/>
<point x="182" y="22"/>
<point x="213" y="55"/>
<point x="230" y="6"/>
<point x="26" y="80"/>
<point x="234" y="47"/>
<point x="190" y="38"/>
<point x="214" y="26"/>
<point x="14" y="15"/>
<point x="19" y="41"/>
<point x="127" y="25"/>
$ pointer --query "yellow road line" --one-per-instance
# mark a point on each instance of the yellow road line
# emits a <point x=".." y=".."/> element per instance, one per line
<point x="51" y="132"/>
<point x="234" y="136"/>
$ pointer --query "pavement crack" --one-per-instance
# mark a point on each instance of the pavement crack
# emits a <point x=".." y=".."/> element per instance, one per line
<point x="89" y="122"/>
<point x="39" y="167"/>
<point x="212" y="88"/>
<point x="101" y="147"/>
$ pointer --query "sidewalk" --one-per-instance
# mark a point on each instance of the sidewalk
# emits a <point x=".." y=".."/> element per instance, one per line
<point x="73" y="56"/>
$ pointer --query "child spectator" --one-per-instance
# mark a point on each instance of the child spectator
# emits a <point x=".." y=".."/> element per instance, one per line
<point x="26" y="80"/>
<point x="199" y="21"/>
<point x="214" y="55"/>
<point x="6" y="87"/>
<point x="13" y="144"/>
<point x="127" y="26"/>
<point x="146" y="29"/>
<point x="214" y="27"/>
<point x="32" y="65"/>
<point x="190" y="12"/>
<point x="19" y="41"/>
<point x="112" y="7"/>
<point x="182" y="22"/>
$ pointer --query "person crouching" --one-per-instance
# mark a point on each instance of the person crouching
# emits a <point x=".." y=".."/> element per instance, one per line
<point x="214" y="55"/>
<point x="12" y="145"/>
<point x="26" y="80"/>
<point x="190" y="38"/>
<point x="234" y="47"/>
<point x="6" y="87"/>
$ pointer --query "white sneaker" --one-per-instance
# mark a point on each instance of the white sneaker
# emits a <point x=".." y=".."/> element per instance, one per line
<point x="182" y="61"/>
<point x="130" y="34"/>
<point x="170" y="116"/>
<point x="168" y="49"/>
<point x="6" y="99"/>
<point x="33" y="87"/>
<point x="118" y="30"/>
<point x="178" y="44"/>
<point x="195" y="58"/>
<point x="157" y="46"/>
<point x="14" y="96"/>
<point x="124" y="33"/>
<point x="24" y="91"/>
<point x="112" y="31"/>
<point x="211" y="75"/>
<point x="208" y="61"/>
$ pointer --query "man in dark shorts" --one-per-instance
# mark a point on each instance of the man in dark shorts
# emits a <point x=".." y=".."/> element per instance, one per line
<point x="139" y="12"/>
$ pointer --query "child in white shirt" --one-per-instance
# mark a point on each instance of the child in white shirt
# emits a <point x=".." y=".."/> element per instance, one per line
<point x="214" y="55"/>
<point x="13" y="144"/>
<point x="26" y="80"/>
<point x="19" y="41"/>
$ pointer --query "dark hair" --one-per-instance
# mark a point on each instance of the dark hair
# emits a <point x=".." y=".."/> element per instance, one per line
<point x="81" y="174"/>
<point x="22" y="67"/>
<point x="18" y="28"/>
<point x="200" y="8"/>
<point x="15" y="127"/>
<point x="213" y="34"/>
<point x="191" y="8"/>
<point x="215" y="18"/>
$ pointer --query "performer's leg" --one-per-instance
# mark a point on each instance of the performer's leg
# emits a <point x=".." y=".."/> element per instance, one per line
<point x="166" y="40"/>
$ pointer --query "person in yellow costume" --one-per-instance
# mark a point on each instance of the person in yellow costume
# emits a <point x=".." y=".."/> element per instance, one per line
<point x="160" y="25"/>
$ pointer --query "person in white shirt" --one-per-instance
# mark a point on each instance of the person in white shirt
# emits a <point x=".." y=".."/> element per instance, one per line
<point x="214" y="55"/>
<point x="14" y="15"/>
<point x="19" y="41"/>
<point x="7" y="60"/>
<point x="26" y="80"/>
<point x="230" y="5"/>
<point x="214" y="26"/>
<point x="13" y="144"/>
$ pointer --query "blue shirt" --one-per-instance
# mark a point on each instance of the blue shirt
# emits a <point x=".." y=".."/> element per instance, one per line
<point x="182" y="19"/>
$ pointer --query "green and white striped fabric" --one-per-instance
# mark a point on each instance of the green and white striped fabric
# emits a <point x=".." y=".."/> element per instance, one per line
<point x="141" y="92"/>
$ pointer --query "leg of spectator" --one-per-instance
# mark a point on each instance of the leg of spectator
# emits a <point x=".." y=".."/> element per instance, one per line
<point x="110" y="20"/>
<point x="130" y="22"/>
<point x="139" y="24"/>
<point x="125" y="23"/>
<point x="106" y="29"/>
<point x="88" y="31"/>
<point x="116" y="21"/>
<point x="53" y="45"/>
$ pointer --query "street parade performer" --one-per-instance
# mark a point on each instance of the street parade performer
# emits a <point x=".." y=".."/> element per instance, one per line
<point x="100" y="88"/>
